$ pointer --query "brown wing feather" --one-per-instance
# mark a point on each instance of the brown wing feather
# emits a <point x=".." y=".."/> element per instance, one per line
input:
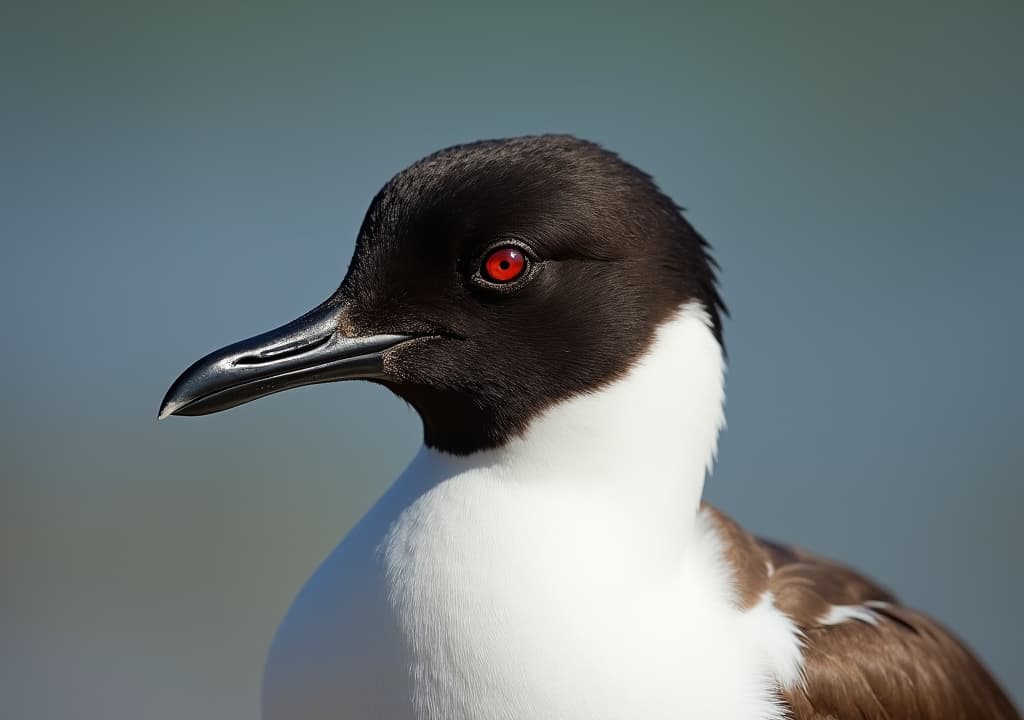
<point x="905" y="665"/>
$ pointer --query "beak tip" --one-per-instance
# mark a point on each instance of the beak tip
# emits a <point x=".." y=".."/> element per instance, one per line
<point x="168" y="408"/>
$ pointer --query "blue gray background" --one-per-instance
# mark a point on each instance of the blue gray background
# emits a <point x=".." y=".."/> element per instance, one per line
<point x="177" y="176"/>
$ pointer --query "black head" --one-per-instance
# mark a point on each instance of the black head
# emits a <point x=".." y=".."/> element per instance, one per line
<point x="489" y="281"/>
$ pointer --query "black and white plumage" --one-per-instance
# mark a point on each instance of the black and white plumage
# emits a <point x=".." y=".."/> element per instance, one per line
<point x="556" y="323"/>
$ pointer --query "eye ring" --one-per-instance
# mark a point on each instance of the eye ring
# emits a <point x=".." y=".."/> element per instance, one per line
<point x="505" y="266"/>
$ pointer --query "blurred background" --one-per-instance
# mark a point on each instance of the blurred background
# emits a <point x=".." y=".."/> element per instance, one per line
<point x="177" y="176"/>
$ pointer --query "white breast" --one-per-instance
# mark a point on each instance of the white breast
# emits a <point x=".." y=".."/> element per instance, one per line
<point x="566" y="575"/>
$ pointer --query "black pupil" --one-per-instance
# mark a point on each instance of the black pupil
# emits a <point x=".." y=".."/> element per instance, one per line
<point x="504" y="264"/>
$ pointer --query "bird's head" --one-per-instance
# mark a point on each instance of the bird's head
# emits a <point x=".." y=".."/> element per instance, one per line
<point x="489" y="282"/>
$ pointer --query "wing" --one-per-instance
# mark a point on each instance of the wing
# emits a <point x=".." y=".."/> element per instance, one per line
<point x="868" y="657"/>
<point x="865" y="656"/>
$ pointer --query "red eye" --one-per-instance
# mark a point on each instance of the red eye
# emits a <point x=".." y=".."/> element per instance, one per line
<point x="504" y="265"/>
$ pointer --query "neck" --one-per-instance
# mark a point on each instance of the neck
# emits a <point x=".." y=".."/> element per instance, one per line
<point x="641" y="445"/>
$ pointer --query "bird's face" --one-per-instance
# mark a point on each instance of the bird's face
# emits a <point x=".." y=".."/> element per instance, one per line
<point x="489" y="281"/>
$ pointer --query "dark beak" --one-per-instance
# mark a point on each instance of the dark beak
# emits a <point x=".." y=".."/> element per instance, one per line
<point x="306" y="351"/>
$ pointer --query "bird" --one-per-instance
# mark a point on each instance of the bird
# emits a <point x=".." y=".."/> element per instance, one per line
<point x="556" y="323"/>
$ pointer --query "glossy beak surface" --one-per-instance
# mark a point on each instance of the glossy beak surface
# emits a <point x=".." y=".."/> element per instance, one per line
<point x="306" y="351"/>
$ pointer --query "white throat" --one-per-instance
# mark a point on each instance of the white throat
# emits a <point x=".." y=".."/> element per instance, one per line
<point x="642" y="445"/>
<point x="567" y="574"/>
<point x="652" y="433"/>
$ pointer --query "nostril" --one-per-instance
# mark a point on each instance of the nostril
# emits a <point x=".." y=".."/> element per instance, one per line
<point x="284" y="351"/>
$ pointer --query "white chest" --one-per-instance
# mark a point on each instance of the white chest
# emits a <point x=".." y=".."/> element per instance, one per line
<point x="455" y="606"/>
